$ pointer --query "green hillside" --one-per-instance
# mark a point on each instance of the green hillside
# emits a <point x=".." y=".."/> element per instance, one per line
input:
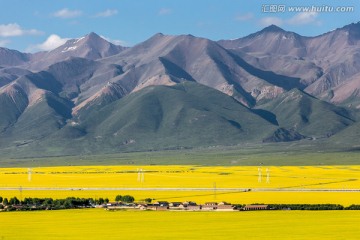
<point x="12" y="105"/>
<point x="37" y="122"/>
<point x="186" y="115"/>
<point x="348" y="138"/>
<point x="307" y="115"/>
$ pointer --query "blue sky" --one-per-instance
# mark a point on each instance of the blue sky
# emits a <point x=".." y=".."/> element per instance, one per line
<point x="44" y="24"/>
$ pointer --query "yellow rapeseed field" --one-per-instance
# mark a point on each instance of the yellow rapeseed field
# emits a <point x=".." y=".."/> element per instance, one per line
<point x="101" y="224"/>
<point x="74" y="180"/>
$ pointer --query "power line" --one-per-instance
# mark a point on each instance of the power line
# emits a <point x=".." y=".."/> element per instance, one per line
<point x="259" y="175"/>
<point x="29" y="174"/>
<point x="267" y="175"/>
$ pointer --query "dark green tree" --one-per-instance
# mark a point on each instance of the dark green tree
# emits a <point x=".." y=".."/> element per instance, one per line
<point x="68" y="204"/>
<point x="100" y="201"/>
<point x="118" y="198"/>
<point x="48" y="201"/>
<point x="14" y="200"/>
<point x="148" y="200"/>
<point x="6" y="201"/>
<point x="27" y="201"/>
<point x="1" y="199"/>
<point x="128" y="199"/>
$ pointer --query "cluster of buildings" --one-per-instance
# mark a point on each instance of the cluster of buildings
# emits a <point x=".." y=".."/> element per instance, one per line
<point x="183" y="206"/>
<point x="156" y="206"/>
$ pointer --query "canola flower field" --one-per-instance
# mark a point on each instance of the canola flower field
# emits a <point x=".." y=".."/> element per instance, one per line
<point x="100" y="224"/>
<point x="245" y="185"/>
<point x="268" y="184"/>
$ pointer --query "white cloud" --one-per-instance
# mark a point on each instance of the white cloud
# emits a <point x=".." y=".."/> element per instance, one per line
<point x="115" y="41"/>
<point x="52" y="42"/>
<point x="4" y="42"/>
<point x="107" y="13"/>
<point x="15" y="30"/>
<point x="10" y="30"/>
<point x="266" y="21"/>
<point x="66" y="13"/>
<point x="304" y="18"/>
<point x="244" y="17"/>
<point x="164" y="11"/>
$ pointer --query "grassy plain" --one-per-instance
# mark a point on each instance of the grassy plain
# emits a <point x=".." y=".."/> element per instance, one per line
<point x="299" y="153"/>
<point x="100" y="224"/>
<point x="103" y="181"/>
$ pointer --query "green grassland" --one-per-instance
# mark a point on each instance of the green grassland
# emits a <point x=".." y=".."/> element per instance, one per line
<point x="101" y="224"/>
<point x="311" y="116"/>
<point x="281" y="154"/>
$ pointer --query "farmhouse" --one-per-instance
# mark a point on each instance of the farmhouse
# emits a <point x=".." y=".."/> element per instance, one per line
<point x="162" y="208"/>
<point x="156" y="207"/>
<point x="193" y="207"/>
<point x="256" y="207"/>
<point x="162" y="203"/>
<point x="113" y="204"/>
<point x="151" y="207"/>
<point x="210" y="206"/>
<point x="175" y="204"/>
<point x="225" y="207"/>
<point x="141" y="206"/>
<point x="189" y="203"/>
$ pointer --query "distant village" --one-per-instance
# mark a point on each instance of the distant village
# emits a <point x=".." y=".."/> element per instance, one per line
<point x="127" y="202"/>
<point x="29" y="204"/>
<point x="183" y="206"/>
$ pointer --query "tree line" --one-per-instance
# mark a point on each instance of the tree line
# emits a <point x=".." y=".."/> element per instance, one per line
<point x="313" y="207"/>
<point x="49" y="204"/>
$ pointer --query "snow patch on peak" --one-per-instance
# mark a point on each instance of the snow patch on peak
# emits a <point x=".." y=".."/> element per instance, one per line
<point x="67" y="49"/>
<point x="79" y="39"/>
<point x="288" y="37"/>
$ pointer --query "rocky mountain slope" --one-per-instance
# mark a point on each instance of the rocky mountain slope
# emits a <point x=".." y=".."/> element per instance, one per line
<point x="90" y="96"/>
<point x="325" y="64"/>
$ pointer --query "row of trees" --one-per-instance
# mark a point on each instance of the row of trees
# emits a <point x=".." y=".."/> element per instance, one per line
<point x="71" y="200"/>
<point x="11" y="201"/>
<point x="353" y="207"/>
<point x="313" y="207"/>
<point x="306" y="206"/>
<point x="49" y="203"/>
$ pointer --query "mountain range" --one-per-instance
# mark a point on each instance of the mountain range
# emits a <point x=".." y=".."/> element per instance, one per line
<point x="171" y="92"/>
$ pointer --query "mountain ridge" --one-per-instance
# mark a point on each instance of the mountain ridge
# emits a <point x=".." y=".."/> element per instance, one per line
<point x="181" y="91"/>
